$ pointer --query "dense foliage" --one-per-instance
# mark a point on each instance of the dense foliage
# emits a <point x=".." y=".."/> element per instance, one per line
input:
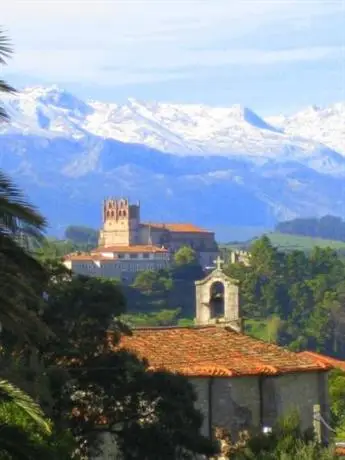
<point x="328" y="227"/>
<point x="62" y="357"/>
<point x="299" y="296"/>
<point x="286" y="442"/>
<point x="292" y="298"/>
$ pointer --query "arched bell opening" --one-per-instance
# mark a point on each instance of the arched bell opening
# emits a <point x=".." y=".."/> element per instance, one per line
<point x="217" y="306"/>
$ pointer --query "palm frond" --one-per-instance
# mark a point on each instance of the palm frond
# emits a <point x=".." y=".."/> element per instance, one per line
<point x="6" y="88"/>
<point x="5" y="47"/>
<point x="16" y="214"/>
<point x="11" y="393"/>
<point x="15" y="443"/>
<point x="5" y="53"/>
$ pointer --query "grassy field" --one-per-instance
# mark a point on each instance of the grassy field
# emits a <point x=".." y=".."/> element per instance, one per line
<point x="304" y="243"/>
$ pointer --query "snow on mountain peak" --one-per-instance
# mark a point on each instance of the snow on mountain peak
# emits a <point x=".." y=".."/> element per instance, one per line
<point x="183" y="129"/>
<point x="322" y="124"/>
<point x="51" y="109"/>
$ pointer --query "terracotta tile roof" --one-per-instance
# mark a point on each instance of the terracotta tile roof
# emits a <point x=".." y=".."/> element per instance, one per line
<point x="214" y="351"/>
<point x="333" y="362"/>
<point x="339" y="451"/>
<point x="188" y="228"/>
<point x="130" y="249"/>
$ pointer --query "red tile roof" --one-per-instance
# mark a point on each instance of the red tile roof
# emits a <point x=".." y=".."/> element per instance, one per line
<point x="183" y="228"/>
<point x="214" y="351"/>
<point x="339" y="451"/>
<point x="333" y="362"/>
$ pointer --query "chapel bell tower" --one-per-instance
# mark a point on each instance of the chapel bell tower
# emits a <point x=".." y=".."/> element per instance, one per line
<point x="217" y="300"/>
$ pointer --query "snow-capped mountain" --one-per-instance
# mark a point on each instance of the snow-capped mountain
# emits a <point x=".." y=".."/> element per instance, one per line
<point x="68" y="154"/>
<point x="325" y="125"/>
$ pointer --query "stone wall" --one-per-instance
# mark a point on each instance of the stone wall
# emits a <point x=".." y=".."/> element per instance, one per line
<point x="236" y="406"/>
<point x="236" y="403"/>
<point x="201" y="386"/>
<point x="286" y="393"/>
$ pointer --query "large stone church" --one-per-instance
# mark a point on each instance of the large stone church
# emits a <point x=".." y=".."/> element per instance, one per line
<point x="242" y="383"/>
<point x="127" y="246"/>
<point x="122" y="226"/>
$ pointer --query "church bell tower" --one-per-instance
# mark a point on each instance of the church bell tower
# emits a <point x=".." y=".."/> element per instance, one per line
<point x="121" y="221"/>
<point x="217" y="300"/>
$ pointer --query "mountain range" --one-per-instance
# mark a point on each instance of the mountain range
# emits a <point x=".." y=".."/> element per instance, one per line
<point x="214" y="166"/>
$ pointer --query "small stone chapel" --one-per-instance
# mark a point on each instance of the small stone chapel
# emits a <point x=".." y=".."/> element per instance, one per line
<point x="242" y="383"/>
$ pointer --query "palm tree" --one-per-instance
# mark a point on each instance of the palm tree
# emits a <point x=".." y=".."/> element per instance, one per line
<point x="12" y="394"/>
<point x="18" y="435"/>
<point x="20" y="272"/>
<point x="5" y="53"/>
<point x="19" y="223"/>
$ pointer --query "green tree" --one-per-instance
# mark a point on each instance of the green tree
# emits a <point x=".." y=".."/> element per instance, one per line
<point x="19" y="222"/>
<point x="25" y="432"/>
<point x="149" y="282"/>
<point x="264" y="258"/>
<point x="111" y="390"/>
<point x="185" y="256"/>
<point x="160" y="318"/>
<point x="51" y="248"/>
<point x="336" y="383"/>
<point x="305" y="291"/>
<point x="287" y="441"/>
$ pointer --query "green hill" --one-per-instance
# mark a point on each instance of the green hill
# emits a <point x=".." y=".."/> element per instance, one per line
<point x="287" y="242"/>
<point x="304" y="243"/>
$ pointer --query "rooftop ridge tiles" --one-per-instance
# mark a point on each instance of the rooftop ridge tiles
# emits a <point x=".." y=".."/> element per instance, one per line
<point x="218" y="352"/>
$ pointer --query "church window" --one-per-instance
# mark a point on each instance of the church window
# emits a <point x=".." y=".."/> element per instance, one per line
<point x="217" y="300"/>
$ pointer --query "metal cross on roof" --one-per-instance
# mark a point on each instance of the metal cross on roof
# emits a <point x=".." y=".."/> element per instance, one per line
<point x="218" y="263"/>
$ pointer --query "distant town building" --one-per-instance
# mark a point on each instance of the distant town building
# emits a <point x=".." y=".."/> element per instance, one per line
<point x="127" y="246"/>
<point x="242" y="257"/>
<point x="122" y="262"/>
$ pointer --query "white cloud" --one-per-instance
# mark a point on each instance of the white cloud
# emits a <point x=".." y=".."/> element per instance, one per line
<point x="118" y="42"/>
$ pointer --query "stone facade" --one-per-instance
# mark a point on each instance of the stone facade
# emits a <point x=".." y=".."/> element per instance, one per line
<point x="122" y="227"/>
<point x="242" y="257"/>
<point x="121" y="262"/>
<point x="121" y="221"/>
<point x="229" y="300"/>
<point x="253" y="402"/>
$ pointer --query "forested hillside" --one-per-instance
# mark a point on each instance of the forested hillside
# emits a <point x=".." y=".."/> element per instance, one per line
<point x="327" y="227"/>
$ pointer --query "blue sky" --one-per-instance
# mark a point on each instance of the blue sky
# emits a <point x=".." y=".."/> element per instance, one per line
<point x="273" y="56"/>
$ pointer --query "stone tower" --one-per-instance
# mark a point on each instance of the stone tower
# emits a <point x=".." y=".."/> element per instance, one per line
<point x="217" y="300"/>
<point x="121" y="221"/>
